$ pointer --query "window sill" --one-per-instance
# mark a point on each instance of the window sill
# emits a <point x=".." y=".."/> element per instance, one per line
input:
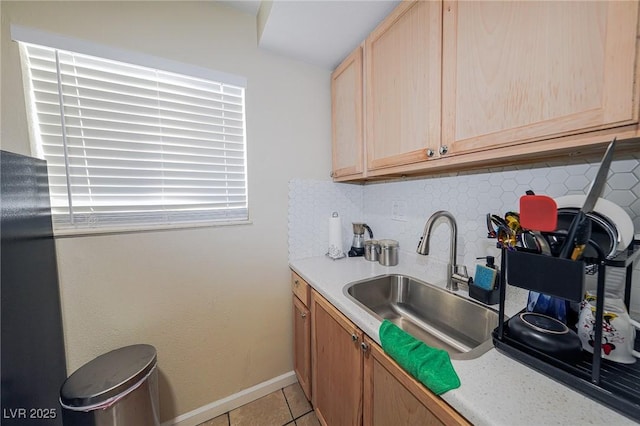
<point x="87" y="232"/>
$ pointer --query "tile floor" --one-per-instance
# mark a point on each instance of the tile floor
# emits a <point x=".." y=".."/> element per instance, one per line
<point x="287" y="406"/>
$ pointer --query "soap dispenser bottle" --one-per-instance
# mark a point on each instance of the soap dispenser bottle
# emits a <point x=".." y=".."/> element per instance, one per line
<point x="491" y="263"/>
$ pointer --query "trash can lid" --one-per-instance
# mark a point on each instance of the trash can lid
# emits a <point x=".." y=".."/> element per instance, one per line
<point x="108" y="375"/>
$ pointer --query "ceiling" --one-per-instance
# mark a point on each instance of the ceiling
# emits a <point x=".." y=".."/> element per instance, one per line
<point x="318" y="32"/>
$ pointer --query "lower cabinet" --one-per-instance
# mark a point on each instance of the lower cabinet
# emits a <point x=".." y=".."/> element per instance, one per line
<point x="301" y="332"/>
<point x="393" y="397"/>
<point x="356" y="383"/>
<point x="336" y="358"/>
<point x="302" y="345"/>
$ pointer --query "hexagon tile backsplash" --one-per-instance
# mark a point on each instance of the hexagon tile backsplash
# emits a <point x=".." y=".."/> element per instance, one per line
<point x="399" y="209"/>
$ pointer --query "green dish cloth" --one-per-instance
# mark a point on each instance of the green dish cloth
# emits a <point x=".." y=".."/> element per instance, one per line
<point x="431" y="366"/>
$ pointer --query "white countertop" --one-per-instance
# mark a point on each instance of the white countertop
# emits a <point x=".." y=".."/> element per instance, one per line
<point x="495" y="390"/>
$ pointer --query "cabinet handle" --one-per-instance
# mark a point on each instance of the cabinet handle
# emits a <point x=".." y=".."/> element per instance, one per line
<point x="430" y="152"/>
<point x="303" y="315"/>
<point x="364" y="346"/>
<point x="296" y="283"/>
<point x="354" y="337"/>
<point x="444" y="149"/>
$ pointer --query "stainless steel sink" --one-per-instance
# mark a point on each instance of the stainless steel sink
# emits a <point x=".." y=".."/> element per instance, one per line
<point x="439" y="318"/>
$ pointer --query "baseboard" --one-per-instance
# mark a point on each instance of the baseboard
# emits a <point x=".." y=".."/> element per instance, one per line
<point x="216" y="408"/>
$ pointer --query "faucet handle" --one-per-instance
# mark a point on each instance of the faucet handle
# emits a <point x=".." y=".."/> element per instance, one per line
<point x="461" y="270"/>
<point x="460" y="276"/>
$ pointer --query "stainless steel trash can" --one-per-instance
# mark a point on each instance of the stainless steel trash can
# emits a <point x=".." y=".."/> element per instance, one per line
<point x="119" y="388"/>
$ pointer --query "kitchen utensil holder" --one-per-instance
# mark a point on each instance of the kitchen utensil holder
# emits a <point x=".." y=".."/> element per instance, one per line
<point x="613" y="384"/>
<point x="563" y="278"/>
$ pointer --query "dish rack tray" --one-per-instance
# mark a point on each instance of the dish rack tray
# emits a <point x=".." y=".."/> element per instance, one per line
<point x="613" y="384"/>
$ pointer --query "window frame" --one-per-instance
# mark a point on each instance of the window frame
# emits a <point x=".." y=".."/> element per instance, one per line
<point x="32" y="36"/>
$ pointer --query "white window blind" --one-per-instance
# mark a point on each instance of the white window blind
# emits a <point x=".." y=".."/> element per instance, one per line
<point x="131" y="146"/>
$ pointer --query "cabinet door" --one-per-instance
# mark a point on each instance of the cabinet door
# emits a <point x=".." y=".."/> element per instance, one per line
<point x="300" y="288"/>
<point x="337" y="365"/>
<point x="402" y="73"/>
<point x="346" y="117"/>
<point x="517" y="72"/>
<point x="392" y="397"/>
<point x="302" y="345"/>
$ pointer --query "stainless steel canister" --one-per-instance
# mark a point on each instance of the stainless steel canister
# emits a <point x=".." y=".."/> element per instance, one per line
<point x="371" y="249"/>
<point x="388" y="254"/>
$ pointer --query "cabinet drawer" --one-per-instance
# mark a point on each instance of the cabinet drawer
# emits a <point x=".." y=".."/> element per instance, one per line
<point x="300" y="288"/>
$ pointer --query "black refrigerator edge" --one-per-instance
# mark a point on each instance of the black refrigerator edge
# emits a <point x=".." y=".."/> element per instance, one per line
<point x="32" y="351"/>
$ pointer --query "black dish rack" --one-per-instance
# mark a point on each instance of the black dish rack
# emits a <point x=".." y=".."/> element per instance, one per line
<point x="613" y="384"/>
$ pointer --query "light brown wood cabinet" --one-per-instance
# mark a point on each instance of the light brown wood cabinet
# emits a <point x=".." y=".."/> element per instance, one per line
<point x="336" y="365"/>
<point x="347" y="118"/>
<point x="455" y="85"/>
<point x="355" y="382"/>
<point x="301" y="333"/>
<point x="518" y="72"/>
<point x="393" y="397"/>
<point x="403" y="85"/>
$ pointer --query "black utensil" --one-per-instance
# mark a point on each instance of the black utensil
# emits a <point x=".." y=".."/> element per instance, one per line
<point x="491" y="233"/>
<point x="583" y="234"/>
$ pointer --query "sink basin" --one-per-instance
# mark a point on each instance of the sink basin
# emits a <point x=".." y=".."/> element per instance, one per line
<point x="438" y="317"/>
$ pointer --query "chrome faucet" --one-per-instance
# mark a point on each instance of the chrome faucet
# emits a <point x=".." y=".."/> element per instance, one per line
<point x="455" y="274"/>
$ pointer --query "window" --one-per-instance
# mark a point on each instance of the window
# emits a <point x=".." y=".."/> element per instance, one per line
<point x="130" y="146"/>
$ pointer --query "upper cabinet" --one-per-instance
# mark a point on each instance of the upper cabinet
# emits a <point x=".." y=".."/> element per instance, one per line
<point x="402" y="74"/>
<point x="462" y="84"/>
<point x="346" y="117"/>
<point x="516" y="72"/>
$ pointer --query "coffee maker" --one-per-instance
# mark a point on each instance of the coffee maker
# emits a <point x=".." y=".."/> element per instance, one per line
<point x="357" y="246"/>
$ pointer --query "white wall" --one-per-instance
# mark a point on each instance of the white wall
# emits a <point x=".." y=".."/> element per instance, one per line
<point x="215" y="302"/>
<point x="468" y="196"/>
